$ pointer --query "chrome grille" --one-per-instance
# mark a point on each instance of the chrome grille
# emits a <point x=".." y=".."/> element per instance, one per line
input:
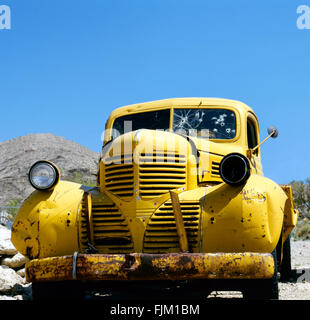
<point x="161" y="234"/>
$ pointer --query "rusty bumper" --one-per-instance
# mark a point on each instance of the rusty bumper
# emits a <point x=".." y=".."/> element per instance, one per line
<point x="140" y="266"/>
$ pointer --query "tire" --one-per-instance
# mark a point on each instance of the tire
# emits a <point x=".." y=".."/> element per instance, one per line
<point x="263" y="289"/>
<point x="61" y="290"/>
<point x="286" y="266"/>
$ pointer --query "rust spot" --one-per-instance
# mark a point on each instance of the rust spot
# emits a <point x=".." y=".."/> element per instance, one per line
<point x="184" y="260"/>
<point x="130" y="263"/>
<point x="146" y="268"/>
<point x="29" y="252"/>
<point x="37" y="238"/>
<point x="261" y="196"/>
<point x="17" y="224"/>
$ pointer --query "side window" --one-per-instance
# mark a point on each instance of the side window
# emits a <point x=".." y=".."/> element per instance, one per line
<point x="252" y="135"/>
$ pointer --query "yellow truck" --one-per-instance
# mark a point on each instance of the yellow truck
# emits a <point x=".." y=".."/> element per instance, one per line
<point x="180" y="198"/>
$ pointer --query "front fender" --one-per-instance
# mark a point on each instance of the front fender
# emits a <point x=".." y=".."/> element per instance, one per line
<point x="46" y="224"/>
<point x="245" y="218"/>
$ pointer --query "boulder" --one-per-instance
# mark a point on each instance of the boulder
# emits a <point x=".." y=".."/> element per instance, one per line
<point x="15" y="262"/>
<point x="6" y="246"/>
<point x="21" y="272"/>
<point x="9" y="298"/>
<point x="10" y="281"/>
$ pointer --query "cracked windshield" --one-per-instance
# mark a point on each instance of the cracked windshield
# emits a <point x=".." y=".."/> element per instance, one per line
<point x="205" y="123"/>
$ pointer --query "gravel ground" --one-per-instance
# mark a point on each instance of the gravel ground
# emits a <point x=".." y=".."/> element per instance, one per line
<point x="300" y="251"/>
<point x="299" y="287"/>
<point x="300" y="290"/>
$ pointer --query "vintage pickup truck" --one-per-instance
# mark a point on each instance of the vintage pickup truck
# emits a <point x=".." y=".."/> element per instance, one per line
<point x="180" y="198"/>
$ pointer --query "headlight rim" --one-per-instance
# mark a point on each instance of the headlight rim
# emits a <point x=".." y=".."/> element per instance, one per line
<point x="247" y="172"/>
<point x="55" y="182"/>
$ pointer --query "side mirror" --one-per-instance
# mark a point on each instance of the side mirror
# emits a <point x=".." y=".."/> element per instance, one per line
<point x="273" y="132"/>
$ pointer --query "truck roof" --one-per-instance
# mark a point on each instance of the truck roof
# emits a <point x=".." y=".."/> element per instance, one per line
<point x="178" y="102"/>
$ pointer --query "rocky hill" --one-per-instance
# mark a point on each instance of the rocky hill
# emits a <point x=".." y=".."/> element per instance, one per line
<point x="19" y="154"/>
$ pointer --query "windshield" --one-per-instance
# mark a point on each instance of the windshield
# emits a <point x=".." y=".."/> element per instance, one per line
<point x="202" y="123"/>
<point x="205" y="123"/>
<point x="154" y="120"/>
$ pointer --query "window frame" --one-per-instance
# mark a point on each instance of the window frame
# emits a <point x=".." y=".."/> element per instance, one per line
<point x="253" y="120"/>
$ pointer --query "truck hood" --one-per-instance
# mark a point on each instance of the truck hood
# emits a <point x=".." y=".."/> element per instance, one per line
<point x="218" y="148"/>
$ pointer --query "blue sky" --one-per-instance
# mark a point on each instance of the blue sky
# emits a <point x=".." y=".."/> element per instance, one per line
<point x="65" y="65"/>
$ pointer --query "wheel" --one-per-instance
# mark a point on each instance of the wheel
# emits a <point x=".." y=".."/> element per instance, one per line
<point x="60" y="290"/>
<point x="286" y="266"/>
<point x="263" y="289"/>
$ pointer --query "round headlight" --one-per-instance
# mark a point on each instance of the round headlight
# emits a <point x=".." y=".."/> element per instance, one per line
<point x="43" y="175"/>
<point x="235" y="169"/>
